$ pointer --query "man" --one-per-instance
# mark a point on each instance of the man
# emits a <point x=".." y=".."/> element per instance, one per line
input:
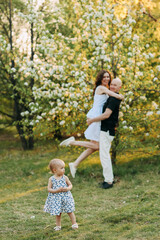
<point x="109" y="119"/>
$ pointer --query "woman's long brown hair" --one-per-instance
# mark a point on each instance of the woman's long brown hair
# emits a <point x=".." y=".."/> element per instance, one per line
<point x="99" y="78"/>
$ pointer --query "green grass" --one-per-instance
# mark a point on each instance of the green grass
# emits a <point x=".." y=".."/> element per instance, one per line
<point x="130" y="210"/>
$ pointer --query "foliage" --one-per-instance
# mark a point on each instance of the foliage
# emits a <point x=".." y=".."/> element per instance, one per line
<point x="71" y="43"/>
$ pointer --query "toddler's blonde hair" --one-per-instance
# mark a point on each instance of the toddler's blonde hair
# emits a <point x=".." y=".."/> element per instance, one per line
<point x="54" y="163"/>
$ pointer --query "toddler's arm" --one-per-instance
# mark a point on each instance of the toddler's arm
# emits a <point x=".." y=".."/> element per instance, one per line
<point x="68" y="183"/>
<point x="51" y="190"/>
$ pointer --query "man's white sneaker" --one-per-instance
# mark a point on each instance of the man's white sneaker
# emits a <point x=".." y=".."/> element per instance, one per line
<point x="67" y="141"/>
<point x="72" y="170"/>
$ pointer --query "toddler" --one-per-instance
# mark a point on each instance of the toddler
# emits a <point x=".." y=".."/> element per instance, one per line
<point x="60" y="198"/>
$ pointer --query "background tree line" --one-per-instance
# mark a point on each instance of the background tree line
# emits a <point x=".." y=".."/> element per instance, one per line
<point x="50" y="55"/>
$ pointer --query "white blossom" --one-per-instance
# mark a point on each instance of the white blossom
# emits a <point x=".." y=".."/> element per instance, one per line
<point x="130" y="54"/>
<point x="158" y="67"/>
<point x="155" y="79"/>
<point x="52" y="111"/>
<point x="62" y="122"/>
<point x="120" y="114"/>
<point x="135" y="37"/>
<point x="140" y="73"/>
<point x="155" y="105"/>
<point x="60" y="104"/>
<point x="39" y="117"/>
<point x="149" y="113"/>
<point x="13" y="69"/>
<point x="125" y="26"/>
<point x="75" y="104"/>
<point x="143" y="98"/>
<point x="31" y="123"/>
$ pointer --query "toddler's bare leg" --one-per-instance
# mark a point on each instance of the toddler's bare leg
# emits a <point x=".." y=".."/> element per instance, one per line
<point x="58" y="220"/>
<point x="72" y="217"/>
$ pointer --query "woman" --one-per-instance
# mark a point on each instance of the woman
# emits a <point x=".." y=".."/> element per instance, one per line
<point x="92" y="133"/>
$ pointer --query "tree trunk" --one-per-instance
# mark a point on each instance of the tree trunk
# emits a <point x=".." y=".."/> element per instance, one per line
<point x="116" y="138"/>
<point x="18" y="108"/>
<point x="17" y="115"/>
<point x="114" y="148"/>
<point x="22" y="137"/>
<point x="31" y="137"/>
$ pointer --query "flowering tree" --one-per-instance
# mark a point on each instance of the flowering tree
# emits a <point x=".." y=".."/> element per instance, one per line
<point x="18" y="73"/>
<point x="11" y="89"/>
<point x="68" y="45"/>
<point x="112" y="35"/>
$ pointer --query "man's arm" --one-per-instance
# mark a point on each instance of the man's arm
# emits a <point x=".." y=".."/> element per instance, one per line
<point x="101" y="117"/>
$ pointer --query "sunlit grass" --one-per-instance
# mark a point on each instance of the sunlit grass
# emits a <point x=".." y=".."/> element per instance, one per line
<point x="130" y="210"/>
<point x="139" y="152"/>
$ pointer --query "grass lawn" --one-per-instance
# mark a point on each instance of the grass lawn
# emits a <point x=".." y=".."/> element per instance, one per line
<point x="130" y="210"/>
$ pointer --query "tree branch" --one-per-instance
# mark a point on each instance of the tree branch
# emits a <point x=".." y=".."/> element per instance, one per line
<point x="6" y="114"/>
<point x="148" y="14"/>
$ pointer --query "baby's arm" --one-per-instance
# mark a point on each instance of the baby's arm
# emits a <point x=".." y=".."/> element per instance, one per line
<point x="104" y="90"/>
<point x="68" y="183"/>
<point x="51" y="190"/>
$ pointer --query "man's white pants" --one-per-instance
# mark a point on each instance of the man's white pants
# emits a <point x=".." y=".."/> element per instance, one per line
<point x="105" y="145"/>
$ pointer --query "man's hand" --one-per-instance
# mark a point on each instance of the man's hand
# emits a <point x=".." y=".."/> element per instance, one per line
<point x="89" y="121"/>
<point x="101" y="117"/>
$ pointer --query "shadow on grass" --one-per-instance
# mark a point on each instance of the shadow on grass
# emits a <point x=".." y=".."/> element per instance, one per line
<point x="138" y="165"/>
<point x="124" y="171"/>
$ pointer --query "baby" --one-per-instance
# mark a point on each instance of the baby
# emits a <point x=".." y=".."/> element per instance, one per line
<point x="60" y="198"/>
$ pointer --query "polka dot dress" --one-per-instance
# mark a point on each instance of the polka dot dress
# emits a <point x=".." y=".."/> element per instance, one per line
<point x="57" y="203"/>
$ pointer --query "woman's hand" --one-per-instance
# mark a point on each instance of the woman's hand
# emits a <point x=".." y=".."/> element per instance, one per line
<point x="121" y="97"/>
